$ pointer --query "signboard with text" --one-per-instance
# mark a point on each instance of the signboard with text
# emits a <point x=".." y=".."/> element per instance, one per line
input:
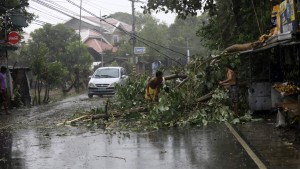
<point x="287" y="16"/>
<point x="13" y="38"/>
<point x="139" y="50"/>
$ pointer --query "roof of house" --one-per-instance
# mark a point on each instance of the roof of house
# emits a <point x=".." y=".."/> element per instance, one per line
<point x="99" y="45"/>
<point x="109" y="24"/>
<point x="91" y="34"/>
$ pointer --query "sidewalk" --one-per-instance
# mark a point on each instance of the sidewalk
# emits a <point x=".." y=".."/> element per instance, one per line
<point x="275" y="146"/>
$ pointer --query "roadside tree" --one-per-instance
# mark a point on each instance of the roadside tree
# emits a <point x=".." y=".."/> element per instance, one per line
<point x="58" y="47"/>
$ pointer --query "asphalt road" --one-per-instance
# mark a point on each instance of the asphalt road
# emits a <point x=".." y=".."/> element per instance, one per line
<point x="31" y="139"/>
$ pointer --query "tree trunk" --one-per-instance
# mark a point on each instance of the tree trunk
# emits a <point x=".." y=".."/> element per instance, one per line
<point x="46" y="96"/>
<point x="40" y="86"/>
<point x="66" y="90"/>
<point x="174" y="76"/>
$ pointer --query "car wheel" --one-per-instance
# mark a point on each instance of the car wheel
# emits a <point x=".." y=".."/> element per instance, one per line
<point x="90" y="96"/>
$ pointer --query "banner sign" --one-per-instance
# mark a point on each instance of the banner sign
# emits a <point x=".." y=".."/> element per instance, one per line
<point x="287" y="16"/>
<point x="139" y="50"/>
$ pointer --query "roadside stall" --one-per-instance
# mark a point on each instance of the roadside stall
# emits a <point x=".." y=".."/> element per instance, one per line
<point x="273" y="69"/>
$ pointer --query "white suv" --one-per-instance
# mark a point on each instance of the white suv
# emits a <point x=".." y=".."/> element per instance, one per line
<point x="104" y="79"/>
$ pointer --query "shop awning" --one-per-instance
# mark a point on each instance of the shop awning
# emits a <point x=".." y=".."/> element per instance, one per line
<point x="267" y="46"/>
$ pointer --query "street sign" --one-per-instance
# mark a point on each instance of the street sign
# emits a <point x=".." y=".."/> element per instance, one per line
<point x="19" y="20"/>
<point x="13" y="37"/>
<point x="139" y="50"/>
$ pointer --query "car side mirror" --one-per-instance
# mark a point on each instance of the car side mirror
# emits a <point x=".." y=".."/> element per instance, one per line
<point x="123" y="77"/>
<point x="90" y="76"/>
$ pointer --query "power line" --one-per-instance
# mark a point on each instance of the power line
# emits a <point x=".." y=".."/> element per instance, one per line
<point x="39" y="21"/>
<point x="46" y="13"/>
<point x="51" y="7"/>
<point x="114" y="4"/>
<point x="94" y="5"/>
<point x="135" y="34"/>
<point x="126" y="32"/>
<point x="61" y="7"/>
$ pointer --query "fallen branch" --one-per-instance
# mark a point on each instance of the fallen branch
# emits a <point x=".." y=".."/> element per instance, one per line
<point x="174" y="76"/>
<point x="119" y="113"/>
<point x="74" y="120"/>
<point x="182" y="83"/>
<point x="205" y="97"/>
<point x="99" y="116"/>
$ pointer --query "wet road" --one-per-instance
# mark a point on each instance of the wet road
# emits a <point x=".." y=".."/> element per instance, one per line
<point x="31" y="139"/>
<point x="202" y="147"/>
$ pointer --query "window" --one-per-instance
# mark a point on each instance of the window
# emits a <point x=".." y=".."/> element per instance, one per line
<point x="116" y="39"/>
<point x="107" y="73"/>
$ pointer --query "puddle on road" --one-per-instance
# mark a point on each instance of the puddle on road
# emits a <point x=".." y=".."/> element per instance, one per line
<point x="203" y="147"/>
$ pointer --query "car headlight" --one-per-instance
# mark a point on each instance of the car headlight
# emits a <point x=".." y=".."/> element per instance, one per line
<point x="92" y="85"/>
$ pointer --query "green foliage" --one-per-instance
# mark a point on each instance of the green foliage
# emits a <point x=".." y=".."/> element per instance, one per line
<point x="56" y="58"/>
<point x="156" y="33"/>
<point x="122" y="16"/>
<point x="55" y="73"/>
<point x="56" y="38"/>
<point x="37" y="59"/>
<point x="182" y="36"/>
<point x="114" y="63"/>
<point x="235" y="22"/>
<point x="179" y="106"/>
<point x="131" y="93"/>
<point x="227" y="21"/>
<point x="182" y="8"/>
<point x="16" y="6"/>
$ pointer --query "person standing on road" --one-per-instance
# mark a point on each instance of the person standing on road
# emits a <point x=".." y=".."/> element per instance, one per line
<point x="3" y="92"/>
<point x="231" y="84"/>
<point x="152" y="89"/>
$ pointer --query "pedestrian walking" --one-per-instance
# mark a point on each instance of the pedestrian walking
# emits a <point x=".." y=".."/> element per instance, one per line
<point x="3" y="92"/>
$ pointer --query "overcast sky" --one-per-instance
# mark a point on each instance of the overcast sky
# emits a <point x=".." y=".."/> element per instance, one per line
<point x="106" y="7"/>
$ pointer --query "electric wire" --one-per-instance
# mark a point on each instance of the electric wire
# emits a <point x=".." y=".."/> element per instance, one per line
<point x="45" y="13"/>
<point x="165" y="47"/>
<point x="114" y="4"/>
<point x="92" y="4"/>
<point x="136" y="36"/>
<point x="62" y="7"/>
<point x="51" y="7"/>
<point x="126" y="32"/>
<point x="41" y="21"/>
<point x="36" y="23"/>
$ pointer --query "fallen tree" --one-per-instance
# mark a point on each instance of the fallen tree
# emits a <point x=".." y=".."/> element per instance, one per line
<point x="196" y="100"/>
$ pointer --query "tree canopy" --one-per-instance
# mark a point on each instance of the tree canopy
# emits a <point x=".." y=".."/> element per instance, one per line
<point x="55" y="57"/>
<point x="12" y="7"/>
<point x="183" y="7"/>
<point x="228" y="21"/>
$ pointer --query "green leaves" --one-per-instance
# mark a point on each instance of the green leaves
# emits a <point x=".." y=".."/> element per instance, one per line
<point x="182" y="8"/>
<point x="235" y="24"/>
<point x="180" y="106"/>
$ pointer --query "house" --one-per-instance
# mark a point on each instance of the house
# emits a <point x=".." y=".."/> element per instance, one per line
<point x="100" y="35"/>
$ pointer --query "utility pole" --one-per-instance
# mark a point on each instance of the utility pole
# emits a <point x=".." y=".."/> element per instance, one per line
<point x="134" y="60"/>
<point x="79" y="53"/>
<point x="187" y="50"/>
<point x="101" y="39"/>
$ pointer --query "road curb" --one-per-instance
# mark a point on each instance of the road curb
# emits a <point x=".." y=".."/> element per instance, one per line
<point x="247" y="148"/>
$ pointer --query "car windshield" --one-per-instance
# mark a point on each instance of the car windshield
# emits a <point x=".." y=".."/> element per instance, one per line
<point x="107" y="73"/>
